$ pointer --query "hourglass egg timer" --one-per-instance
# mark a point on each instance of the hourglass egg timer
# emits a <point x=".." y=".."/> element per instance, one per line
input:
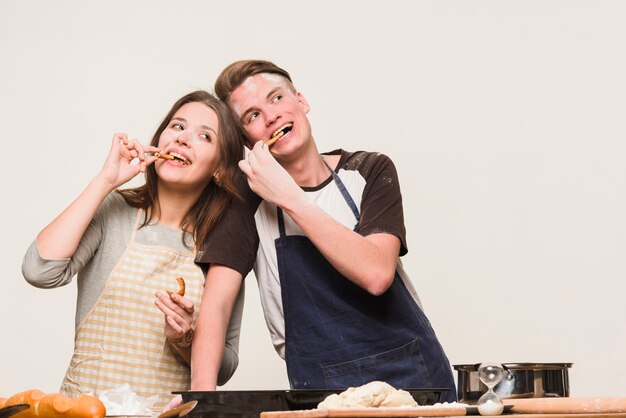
<point x="490" y="374"/>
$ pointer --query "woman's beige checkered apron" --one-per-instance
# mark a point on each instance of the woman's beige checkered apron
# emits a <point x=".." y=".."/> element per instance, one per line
<point x="122" y="339"/>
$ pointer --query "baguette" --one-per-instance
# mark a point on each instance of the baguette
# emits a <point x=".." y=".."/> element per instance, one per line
<point x="56" y="405"/>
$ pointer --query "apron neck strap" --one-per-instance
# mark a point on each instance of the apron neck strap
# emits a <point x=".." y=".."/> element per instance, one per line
<point x="344" y="192"/>
<point x="137" y="223"/>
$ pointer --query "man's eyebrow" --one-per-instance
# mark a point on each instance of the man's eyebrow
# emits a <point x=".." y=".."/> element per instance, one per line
<point x="267" y="97"/>
<point x="272" y="92"/>
<point x="246" y="113"/>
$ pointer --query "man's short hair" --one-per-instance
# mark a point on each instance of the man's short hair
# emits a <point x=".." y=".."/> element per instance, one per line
<point x="237" y="72"/>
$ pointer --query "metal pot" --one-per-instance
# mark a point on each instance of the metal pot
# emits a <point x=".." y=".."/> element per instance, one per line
<point x="521" y="380"/>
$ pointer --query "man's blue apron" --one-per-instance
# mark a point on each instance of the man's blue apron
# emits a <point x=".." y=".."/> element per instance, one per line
<point x="338" y="335"/>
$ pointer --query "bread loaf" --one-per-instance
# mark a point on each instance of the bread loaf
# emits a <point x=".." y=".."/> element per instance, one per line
<point x="29" y="397"/>
<point x="56" y="405"/>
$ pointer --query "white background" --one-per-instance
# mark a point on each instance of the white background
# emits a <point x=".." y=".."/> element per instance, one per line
<point x="505" y="120"/>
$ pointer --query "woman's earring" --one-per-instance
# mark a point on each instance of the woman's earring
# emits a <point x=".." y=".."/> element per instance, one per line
<point x="216" y="177"/>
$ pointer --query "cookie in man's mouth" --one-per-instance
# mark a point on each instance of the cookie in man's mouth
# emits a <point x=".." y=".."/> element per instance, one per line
<point x="279" y="133"/>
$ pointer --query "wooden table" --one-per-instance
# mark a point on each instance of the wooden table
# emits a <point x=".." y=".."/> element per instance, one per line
<point x="414" y="412"/>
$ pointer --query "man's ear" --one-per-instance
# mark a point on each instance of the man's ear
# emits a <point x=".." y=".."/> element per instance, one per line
<point x="303" y="103"/>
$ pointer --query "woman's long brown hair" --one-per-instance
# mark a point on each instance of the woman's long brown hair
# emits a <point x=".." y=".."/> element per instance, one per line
<point x="216" y="196"/>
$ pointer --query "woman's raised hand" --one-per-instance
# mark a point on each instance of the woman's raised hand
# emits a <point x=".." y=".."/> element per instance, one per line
<point x="126" y="159"/>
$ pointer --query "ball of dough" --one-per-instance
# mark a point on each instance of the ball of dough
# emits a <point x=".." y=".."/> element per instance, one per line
<point x="370" y="395"/>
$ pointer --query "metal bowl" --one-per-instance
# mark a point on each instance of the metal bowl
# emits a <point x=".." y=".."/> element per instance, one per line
<point x="521" y="380"/>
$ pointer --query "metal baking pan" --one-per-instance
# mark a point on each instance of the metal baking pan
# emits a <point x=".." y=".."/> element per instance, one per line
<point x="250" y="404"/>
<point x="521" y="380"/>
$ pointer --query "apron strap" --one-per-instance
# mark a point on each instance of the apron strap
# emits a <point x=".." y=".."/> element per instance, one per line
<point x="346" y="195"/>
<point x="136" y="224"/>
<point x="344" y="192"/>
<point x="281" y="222"/>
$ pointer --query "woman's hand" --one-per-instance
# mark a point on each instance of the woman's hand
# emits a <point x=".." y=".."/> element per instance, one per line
<point x="119" y="167"/>
<point x="178" y="312"/>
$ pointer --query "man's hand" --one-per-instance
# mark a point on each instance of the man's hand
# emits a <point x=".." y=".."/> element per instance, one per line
<point x="268" y="179"/>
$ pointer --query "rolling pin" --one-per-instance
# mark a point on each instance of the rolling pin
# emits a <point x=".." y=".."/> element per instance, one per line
<point x="603" y="405"/>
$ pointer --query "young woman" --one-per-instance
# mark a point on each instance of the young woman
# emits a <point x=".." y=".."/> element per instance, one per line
<point x="127" y="247"/>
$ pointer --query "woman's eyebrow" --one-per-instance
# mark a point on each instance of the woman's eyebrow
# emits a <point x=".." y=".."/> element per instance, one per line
<point x="208" y="128"/>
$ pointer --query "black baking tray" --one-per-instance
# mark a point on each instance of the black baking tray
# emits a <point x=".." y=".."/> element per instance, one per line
<point x="250" y="403"/>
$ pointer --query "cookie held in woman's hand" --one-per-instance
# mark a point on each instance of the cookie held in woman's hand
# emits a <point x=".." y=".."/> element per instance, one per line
<point x="181" y="287"/>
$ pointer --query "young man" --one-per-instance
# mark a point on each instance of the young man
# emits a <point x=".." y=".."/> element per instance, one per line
<point x="340" y="309"/>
